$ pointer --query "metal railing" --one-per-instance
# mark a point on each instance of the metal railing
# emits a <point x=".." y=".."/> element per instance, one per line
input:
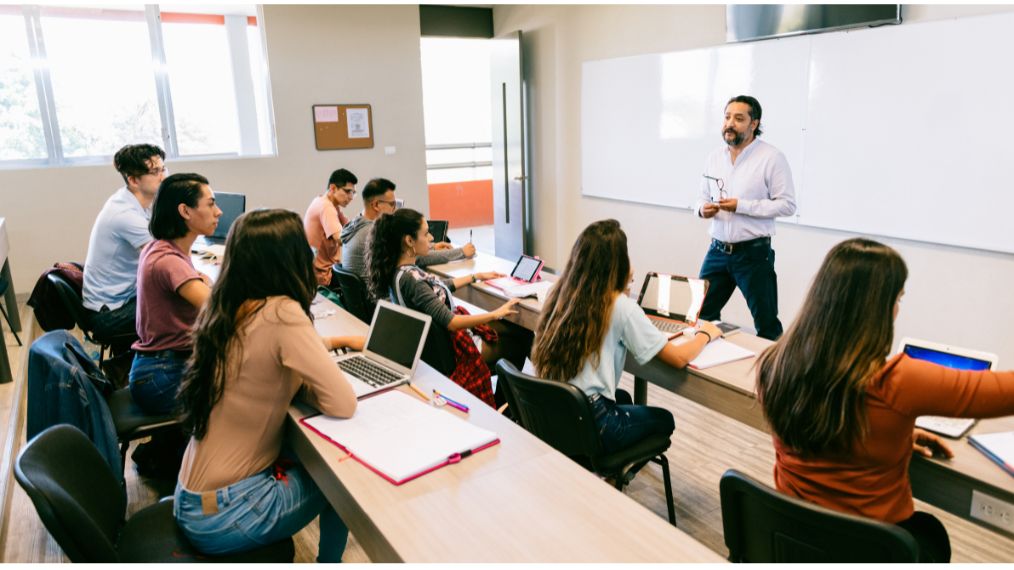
<point x="456" y="146"/>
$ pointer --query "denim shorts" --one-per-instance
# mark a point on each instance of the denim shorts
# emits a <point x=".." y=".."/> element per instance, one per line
<point x="155" y="380"/>
<point x="259" y="510"/>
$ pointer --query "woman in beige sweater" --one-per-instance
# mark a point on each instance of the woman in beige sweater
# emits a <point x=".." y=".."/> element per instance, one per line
<point x="254" y="348"/>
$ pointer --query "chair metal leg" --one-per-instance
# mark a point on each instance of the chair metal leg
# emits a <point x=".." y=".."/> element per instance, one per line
<point x="11" y="325"/>
<point x="670" y="504"/>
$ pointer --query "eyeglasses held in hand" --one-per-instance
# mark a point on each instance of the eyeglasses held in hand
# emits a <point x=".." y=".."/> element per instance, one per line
<point x="722" y="194"/>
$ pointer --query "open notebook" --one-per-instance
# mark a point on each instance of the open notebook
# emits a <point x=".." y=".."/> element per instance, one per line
<point x="400" y="438"/>
<point x="997" y="446"/>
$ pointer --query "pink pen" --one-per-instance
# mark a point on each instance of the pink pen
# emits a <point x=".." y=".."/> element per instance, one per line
<point x="451" y="402"/>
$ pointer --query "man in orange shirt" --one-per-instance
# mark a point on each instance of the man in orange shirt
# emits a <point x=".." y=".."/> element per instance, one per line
<point x="323" y="223"/>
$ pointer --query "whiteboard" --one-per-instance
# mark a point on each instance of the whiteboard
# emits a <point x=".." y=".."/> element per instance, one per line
<point x="909" y="133"/>
<point x="648" y="122"/>
<point x="896" y="131"/>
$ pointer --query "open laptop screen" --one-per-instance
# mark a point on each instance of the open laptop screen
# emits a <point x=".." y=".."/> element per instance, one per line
<point x="672" y="296"/>
<point x="396" y="336"/>
<point x="948" y="359"/>
<point x="232" y="206"/>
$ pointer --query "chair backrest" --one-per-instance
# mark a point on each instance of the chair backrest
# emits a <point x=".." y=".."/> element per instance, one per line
<point x="74" y="491"/>
<point x="70" y="298"/>
<point x="355" y="295"/>
<point x="558" y="413"/>
<point x="764" y="525"/>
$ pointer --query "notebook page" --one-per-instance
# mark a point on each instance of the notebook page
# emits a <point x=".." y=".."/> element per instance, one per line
<point x="401" y="436"/>
<point x="720" y="351"/>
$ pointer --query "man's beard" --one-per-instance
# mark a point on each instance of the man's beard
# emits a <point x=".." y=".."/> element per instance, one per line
<point x="735" y="141"/>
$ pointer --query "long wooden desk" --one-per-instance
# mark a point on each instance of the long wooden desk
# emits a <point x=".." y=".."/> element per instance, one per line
<point x="519" y="501"/>
<point x="729" y="389"/>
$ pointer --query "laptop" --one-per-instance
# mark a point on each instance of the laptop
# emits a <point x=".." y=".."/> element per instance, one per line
<point x="672" y="302"/>
<point x="951" y="357"/>
<point x="232" y="206"/>
<point x="524" y="279"/>
<point x="439" y="230"/>
<point x="392" y="350"/>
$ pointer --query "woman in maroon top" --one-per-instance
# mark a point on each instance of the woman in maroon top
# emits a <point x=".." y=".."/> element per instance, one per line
<point x="170" y="292"/>
<point x="843" y="414"/>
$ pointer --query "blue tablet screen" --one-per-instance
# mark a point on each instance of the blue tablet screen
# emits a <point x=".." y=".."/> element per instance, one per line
<point x="946" y="359"/>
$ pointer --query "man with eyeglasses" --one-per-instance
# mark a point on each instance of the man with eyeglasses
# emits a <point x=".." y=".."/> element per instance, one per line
<point x="746" y="185"/>
<point x="324" y="220"/>
<point x="379" y="199"/>
<point x="109" y="293"/>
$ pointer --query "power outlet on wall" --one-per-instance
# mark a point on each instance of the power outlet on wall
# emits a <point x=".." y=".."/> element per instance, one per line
<point x="993" y="511"/>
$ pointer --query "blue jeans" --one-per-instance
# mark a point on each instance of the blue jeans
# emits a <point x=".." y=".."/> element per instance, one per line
<point x="259" y="510"/>
<point x="155" y="381"/>
<point x="751" y="267"/>
<point x="623" y="425"/>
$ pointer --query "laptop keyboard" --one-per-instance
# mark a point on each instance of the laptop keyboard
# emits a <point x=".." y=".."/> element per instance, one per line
<point x="671" y="327"/>
<point x="368" y="371"/>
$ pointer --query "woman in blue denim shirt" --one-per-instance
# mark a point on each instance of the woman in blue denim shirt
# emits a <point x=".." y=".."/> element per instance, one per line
<point x="589" y="323"/>
<point x="255" y="347"/>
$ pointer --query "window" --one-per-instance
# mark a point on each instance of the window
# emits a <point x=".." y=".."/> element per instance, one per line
<point x="192" y="82"/>
<point x="21" y="136"/>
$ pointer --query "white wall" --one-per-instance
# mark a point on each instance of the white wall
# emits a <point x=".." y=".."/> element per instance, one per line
<point x="953" y="295"/>
<point x="316" y="54"/>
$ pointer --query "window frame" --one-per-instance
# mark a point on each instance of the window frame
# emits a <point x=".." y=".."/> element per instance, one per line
<point x="250" y="124"/>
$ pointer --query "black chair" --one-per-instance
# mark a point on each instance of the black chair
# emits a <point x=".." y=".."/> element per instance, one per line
<point x="72" y="304"/>
<point x="763" y="525"/>
<point x="559" y="414"/>
<point x="132" y="423"/>
<point x="4" y="284"/>
<point x="354" y="294"/>
<point x="83" y="507"/>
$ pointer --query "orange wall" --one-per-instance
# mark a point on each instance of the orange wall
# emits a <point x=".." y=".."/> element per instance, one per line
<point x="462" y="204"/>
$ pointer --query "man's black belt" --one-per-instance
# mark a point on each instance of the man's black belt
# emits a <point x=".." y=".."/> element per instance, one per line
<point x="728" y="248"/>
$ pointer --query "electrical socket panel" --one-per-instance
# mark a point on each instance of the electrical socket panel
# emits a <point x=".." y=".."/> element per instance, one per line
<point x="993" y="511"/>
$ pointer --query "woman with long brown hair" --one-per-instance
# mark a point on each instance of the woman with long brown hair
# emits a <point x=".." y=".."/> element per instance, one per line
<point x="587" y="326"/>
<point x="843" y="414"/>
<point x="254" y="348"/>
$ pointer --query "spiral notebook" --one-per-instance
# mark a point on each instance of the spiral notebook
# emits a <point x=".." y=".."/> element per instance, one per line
<point x="400" y="438"/>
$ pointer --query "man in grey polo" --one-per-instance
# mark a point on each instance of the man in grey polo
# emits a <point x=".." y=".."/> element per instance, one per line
<point x="746" y="185"/>
<point x="109" y="294"/>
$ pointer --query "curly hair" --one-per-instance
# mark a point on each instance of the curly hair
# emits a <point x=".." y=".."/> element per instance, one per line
<point x="384" y="248"/>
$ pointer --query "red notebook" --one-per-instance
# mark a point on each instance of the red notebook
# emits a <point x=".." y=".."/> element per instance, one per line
<point x="400" y="438"/>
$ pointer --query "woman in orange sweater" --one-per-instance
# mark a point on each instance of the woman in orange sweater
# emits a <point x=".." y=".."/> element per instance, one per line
<point x="843" y="414"/>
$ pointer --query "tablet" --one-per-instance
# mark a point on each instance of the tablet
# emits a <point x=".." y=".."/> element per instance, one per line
<point x="527" y="268"/>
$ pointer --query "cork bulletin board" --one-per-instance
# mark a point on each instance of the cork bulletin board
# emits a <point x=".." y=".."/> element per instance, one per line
<point x="338" y="127"/>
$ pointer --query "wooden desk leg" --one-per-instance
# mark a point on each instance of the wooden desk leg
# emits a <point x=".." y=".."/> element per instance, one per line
<point x="10" y="298"/>
<point x="640" y="391"/>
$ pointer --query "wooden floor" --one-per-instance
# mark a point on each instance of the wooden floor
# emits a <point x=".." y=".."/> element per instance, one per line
<point x="705" y="445"/>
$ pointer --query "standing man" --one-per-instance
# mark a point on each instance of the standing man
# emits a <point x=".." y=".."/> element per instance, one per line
<point x="379" y="199"/>
<point x="746" y="185"/>
<point x="324" y="220"/>
<point x="109" y="294"/>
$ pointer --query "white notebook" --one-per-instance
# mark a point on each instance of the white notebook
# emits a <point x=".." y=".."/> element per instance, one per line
<point x="720" y="351"/>
<point x="400" y="437"/>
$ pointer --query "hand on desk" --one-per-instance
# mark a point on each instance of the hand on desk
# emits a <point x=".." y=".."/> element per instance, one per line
<point x="708" y="327"/>
<point x="506" y="309"/>
<point x="929" y="444"/>
<point x="356" y="343"/>
<point x="488" y="275"/>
